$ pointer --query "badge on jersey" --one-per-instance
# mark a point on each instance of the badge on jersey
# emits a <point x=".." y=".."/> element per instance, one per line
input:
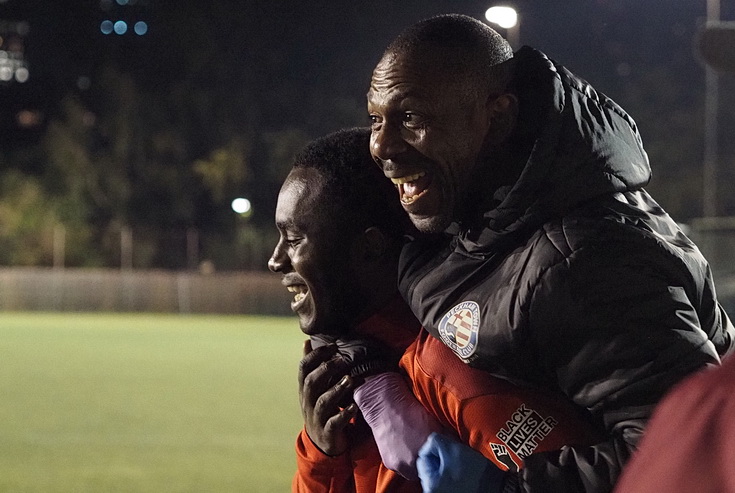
<point x="459" y="326"/>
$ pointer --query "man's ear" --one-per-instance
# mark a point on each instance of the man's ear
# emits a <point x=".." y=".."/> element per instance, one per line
<point x="374" y="243"/>
<point x="502" y="113"/>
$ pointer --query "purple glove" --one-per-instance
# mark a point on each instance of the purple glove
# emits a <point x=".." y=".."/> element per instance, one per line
<point x="448" y="466"/>
<point x="399" y="422"/>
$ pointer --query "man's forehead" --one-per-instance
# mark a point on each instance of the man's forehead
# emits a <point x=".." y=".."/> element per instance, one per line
<point x="412" y="74"/>
<point x="298" y="188"/>
<point x="302" y="198"/>
<point x="304" y="179"/>
<point x="404" y="64"/>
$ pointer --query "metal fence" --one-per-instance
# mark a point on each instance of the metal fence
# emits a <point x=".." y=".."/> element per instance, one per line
<point x="256" y="292"/>
<point x="715" y="237"/>
<point x="113" y="290"/>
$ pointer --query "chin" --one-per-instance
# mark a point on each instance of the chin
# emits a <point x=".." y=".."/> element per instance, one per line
<point x="308" y="325"/>
<point x="430" y="224"/>
<point x="313" y="327"/>
<point x="307" y="329"/>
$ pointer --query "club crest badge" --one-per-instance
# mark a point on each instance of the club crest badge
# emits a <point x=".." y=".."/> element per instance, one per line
<point x="459" y="326"/>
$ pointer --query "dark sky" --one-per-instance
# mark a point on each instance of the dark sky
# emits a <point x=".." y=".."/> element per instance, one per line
<point x="602" y="40"/>
<point x="312" y="51"/>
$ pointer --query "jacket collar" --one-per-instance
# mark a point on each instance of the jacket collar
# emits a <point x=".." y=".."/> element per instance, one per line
<point x="394" y="325"/>
<point x="585" y="146"/>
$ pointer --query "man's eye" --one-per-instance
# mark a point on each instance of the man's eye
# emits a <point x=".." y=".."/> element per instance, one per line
<point x="292" y="242"/>
<point x="374" y="119"/>
<point x="412" y="120"/>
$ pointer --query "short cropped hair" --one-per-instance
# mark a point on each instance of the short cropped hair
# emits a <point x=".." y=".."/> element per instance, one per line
<point x="354" y="184"/>
<point x="460" y="43"/>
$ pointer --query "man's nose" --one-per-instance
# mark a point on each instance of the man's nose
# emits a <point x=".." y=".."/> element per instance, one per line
<point x="277" y="262"/>
<point x="386" y="142"/>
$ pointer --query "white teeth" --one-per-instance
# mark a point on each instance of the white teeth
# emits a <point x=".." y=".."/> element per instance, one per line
<point x="406" y="179"/>
<point x="300" y="292"/>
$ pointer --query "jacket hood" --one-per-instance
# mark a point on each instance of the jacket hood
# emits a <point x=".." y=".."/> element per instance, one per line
<point x="586" y="145"/>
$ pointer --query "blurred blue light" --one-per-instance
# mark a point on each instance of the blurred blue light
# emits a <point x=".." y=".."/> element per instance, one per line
<point x="140" y="28"/>
<point x="21" y="74"/>
<point x="122" y="2"/>
<point x="106" y="27"/>
<point x="6" y="73"/>
<point x="121" y="27"/>
<point x="84" y="83"/>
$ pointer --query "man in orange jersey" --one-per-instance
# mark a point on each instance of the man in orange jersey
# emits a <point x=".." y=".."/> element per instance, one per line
<point x="341" y="232"/>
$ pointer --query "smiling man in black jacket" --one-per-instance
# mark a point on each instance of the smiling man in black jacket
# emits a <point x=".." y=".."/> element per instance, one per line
<point x="546" y="261"/>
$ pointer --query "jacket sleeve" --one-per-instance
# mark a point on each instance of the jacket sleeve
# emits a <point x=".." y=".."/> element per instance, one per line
<point x="503" y="421"/>
<point x="614" y="329"/>
<point x="507" y="427"/>
<point x="320" y="473"/>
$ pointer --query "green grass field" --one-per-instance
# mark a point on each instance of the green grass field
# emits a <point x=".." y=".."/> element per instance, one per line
<point x="147" y="403"/>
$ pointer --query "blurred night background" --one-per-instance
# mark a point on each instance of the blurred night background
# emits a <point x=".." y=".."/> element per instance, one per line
<point x="125" y="143"/>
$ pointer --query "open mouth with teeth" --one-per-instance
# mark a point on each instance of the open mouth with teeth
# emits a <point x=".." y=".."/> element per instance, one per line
<point x="412" y="187"/>
<point x="300" y="291"/>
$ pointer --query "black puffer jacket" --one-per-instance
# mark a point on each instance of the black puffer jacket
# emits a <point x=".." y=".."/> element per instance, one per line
<point x="577" y="281"/>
